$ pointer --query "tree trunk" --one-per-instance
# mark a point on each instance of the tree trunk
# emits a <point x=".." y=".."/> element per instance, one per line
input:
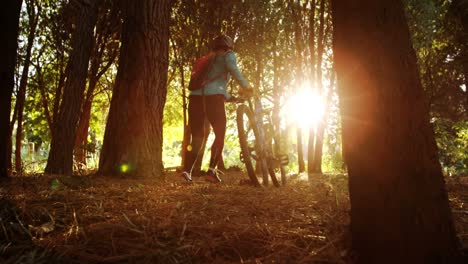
<point x="60" y="159"/>
<point x="58" y="93"/>
<point x="81" y="141"/>
<point x="103" y="56"/>
<point x="279" y="136"/>
<point x="33" y="20"/>
<point x="44" y="99"/>
<point x="318" y="150"/>
<point x="295" y="9"/>
<point x="313" y="73"/>
<point x="133" y="137"/>
<point x="399" y="206"/>
<point x="300" y="150"/>
<point x="9" y="22"/>
<point x="316" y="165"/>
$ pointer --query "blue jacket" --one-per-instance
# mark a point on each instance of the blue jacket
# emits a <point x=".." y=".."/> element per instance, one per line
<point x="224" y="66"/>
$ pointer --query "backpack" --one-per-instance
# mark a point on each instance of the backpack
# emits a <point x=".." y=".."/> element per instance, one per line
<point x="200" y="71"/>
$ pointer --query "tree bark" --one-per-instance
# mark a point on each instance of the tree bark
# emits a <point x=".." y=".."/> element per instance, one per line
<point x="44" y="99"/>
<point x="103" y="56"/>
<point x="295" y="8"/>
<point x="9" y="22"/>
<point x="60" y="159"/>
<point x="81" y="140"/>
<point x="133" y="137"/>
<point x="399" y="205"/>
<point x="300" y="152"/>
<point x="313" y="73"/>
<point x="316" y="165"/>
<point x="33" y="21"/>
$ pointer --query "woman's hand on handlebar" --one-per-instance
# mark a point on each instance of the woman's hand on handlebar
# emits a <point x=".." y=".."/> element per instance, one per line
<point x="246" y="92"/>
<point x="233" y="99"/>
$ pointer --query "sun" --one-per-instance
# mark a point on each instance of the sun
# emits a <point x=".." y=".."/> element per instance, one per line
<point x="305" y="108"/>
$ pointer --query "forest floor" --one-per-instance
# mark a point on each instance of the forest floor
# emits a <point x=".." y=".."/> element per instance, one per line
<point x="91" y="219"/>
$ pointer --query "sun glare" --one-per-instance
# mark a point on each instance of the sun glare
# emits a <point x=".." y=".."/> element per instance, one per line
<point x="305" y="108"/>
<point x="124" y="168"/>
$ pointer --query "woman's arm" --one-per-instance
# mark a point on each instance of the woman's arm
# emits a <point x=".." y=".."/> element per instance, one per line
<point x="231" y="63"/>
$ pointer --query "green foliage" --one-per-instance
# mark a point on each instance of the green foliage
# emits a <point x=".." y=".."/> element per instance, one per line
<point x="265" y="42"/>
<point x="435" y="29"/>
<point x="452" y="141"/>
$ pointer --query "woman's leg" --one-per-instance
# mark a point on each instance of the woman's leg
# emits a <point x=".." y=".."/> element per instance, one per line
<point x="217" y="117"/>
<point x="196" y="124"/>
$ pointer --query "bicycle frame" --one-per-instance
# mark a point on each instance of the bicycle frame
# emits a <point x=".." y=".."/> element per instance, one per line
<point x="263" y="142"/>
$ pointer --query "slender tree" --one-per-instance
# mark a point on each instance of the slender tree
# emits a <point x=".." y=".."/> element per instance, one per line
<point x="60" y="159"/>
<point x="50" y="60"/>
<point x="296" y="15"/>
<point x="313" y="73"/>
<point x="9" y="22"/>
<point x="33" y="8"/>
<point x="103" y="55"/>
<point x="399" y="205"/>
<point x="316" y="165"/>
<point x="133" y="136"/>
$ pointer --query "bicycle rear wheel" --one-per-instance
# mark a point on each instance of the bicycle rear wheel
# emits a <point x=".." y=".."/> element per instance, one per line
<point x="271" y="162"/>
<point x="248" y="140"/>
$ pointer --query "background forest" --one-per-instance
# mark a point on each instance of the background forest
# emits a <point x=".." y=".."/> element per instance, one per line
<point x="284" y="48"/>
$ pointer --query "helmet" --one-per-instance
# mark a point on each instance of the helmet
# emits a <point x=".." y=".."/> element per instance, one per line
<point x="222" y="42"/>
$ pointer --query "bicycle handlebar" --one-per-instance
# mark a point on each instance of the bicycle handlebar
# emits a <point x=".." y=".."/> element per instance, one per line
<point x="237" y="100"/>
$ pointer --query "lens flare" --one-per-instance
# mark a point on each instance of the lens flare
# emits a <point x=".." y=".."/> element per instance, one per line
<point x="124" y="168"/>
<point x="305" y="108"/>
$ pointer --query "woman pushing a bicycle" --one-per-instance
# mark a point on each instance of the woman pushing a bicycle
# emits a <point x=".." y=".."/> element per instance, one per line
<point x="206" y="102"/>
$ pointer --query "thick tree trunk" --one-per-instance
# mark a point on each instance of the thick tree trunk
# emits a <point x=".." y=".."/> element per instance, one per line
<point x="9" y="22"/>
<point x="60" y="159"/>
<point x="399" y="206"/>
<point x="133" y="136"/>
<point x="33" y="20"/>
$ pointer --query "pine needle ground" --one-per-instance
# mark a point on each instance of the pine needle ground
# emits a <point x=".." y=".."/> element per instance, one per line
<point x="90" y="219"/>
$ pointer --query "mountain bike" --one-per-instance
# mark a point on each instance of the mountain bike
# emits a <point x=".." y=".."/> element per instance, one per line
<point x="259" y="140"/>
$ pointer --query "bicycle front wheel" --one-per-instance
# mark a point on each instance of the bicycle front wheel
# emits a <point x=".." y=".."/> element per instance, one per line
<point x="248" y="140"/>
